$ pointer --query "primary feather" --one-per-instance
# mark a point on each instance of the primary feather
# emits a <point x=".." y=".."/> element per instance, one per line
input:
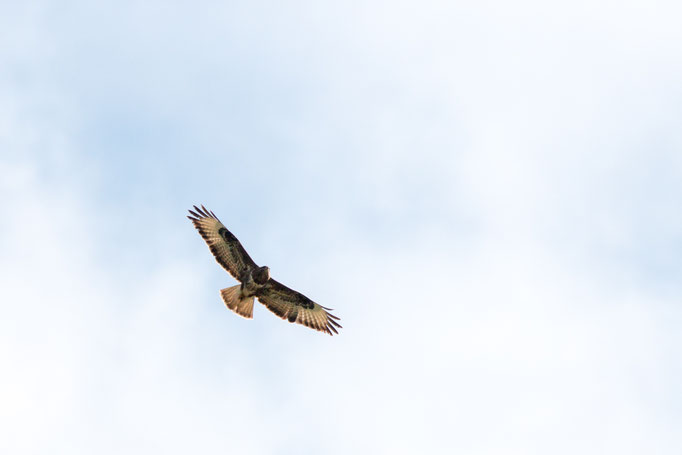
<point x="225" y="247"/>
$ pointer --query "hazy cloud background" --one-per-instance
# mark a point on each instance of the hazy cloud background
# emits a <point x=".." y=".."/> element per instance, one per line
<point x="487" y="193"/>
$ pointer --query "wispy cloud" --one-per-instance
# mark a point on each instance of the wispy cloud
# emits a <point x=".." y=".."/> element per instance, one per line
<point x="487" y="194"/>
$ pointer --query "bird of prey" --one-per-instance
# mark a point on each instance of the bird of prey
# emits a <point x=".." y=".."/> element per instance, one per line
<point x="255" y="281"/>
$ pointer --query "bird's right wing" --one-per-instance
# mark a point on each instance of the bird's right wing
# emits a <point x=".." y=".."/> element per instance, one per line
<point x="295" y="307"/>
<point x="223" y="244"/>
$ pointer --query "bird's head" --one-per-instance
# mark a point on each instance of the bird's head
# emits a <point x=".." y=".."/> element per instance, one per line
<point x="261" y="275"/>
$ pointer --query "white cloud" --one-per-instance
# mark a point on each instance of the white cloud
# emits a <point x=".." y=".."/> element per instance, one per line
<point x="487" y="194"/>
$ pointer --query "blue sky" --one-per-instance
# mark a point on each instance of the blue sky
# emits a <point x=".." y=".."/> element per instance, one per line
<point x="488" y="195"/>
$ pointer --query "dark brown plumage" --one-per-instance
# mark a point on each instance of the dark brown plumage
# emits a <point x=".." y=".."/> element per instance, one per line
<point x="255" y="281"/>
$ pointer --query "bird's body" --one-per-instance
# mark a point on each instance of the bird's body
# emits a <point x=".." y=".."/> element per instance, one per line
<point x="255" y="281"/>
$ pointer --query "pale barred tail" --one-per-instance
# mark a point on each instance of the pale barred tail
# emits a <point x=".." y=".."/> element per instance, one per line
<point x="232" y="298"/>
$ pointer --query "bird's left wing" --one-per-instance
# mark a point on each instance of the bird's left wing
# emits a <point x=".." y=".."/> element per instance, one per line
<point x="223" y="244"/>
<point x="295" y="307"/>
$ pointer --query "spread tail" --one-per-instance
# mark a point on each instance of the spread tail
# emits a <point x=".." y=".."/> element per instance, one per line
<point x="232" y="298"/>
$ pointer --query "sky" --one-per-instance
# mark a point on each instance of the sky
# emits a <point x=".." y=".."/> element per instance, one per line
<point x="487" y="193"/>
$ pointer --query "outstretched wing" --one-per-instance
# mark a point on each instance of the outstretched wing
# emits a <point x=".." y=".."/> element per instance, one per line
<point x="225" y="247"/>
<point x="295" y="307"/>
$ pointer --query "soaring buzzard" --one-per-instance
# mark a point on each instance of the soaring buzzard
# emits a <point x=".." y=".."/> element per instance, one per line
<point x="255" y="281"/>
